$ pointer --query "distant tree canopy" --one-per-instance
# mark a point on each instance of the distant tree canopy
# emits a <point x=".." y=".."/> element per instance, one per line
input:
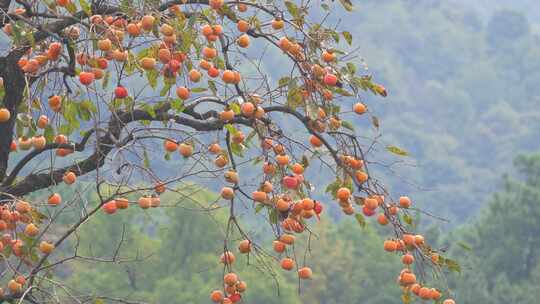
<point x="504" y="259"/>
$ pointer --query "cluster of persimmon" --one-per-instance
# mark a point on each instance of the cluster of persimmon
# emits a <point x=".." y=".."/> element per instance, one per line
<point x="232" y="285"/>
<point x="283" y="188"/>
<point x="294" y="210"/>
<point x="15" y="219"/>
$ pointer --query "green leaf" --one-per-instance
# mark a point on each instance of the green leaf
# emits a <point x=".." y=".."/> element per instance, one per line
<point x="284" y="81"/>
<point x="146" y="159"/>
<point x="149" y="109"/>
<point x="334" y="35"/>
<point x="294" y="98"/>
<point x="397" y="151"/>
<point x="408" y="219"/>
<point x="347" y="5"/>
<point x="231" y="129"/>
<point x="49" y="133"/>
<point x="351" y="68"/>
<point x="86" y="7"/>
<point x="258" y="208"/>
<point x="237" y="149"/>
<point x="464" y="246"/>
<point x="212" y="86"/>
<point x="177" y="105"/>
<point x="360" y="219"/>
<point x="452" y="265"/>
<point x="71" y="8"/>
<point x="347" y="36"/>
<point x="199" y="90"/>
<point x="273" y="216"/>
<point x="165" y="89"/>
<point x="342" y="92"/>
<point x="235" y="107"/>
<point x="152" y="76"/>
<point x="347" y="125"/>
<point x="375" y="121"/>
<point x="292" y="8"/>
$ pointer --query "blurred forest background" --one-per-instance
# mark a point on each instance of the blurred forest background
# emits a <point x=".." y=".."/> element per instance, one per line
<point x="464" y="100"/>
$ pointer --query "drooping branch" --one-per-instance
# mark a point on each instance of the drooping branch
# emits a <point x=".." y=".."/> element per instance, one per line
<point x="105" y="144"/>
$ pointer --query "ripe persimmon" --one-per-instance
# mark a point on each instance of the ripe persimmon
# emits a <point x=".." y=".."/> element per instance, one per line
<point x="282" y="159"/>
<point x="382" y="219"/>
<point x="226" y="115"/>
<point x="315" y="141"/>
<point x="214" y="148"/>
<point x="31" y="230"/>
<point x="231" y="176"/>
<point x="305" y="273"/>
<point x="216" y="296"/>
<point x="170" y="145"/>
<point x="227" y="193"/>
<point x="69" y="177"/>
<point x="121" y="203"/>
<point x="287" y="263"/>
<point x="5" y="115"/>
<point x="194" y="75"/>
<point x="209" y="53"/>
<point x="110" y="207"/>
<point x="278" y="24"/>
<point x="55" y="199"/>
<point x="278" y="246"/>
<point x="243" y="41"/>
<point x="244" y="246"/>
<point x="404" y="202"/>
<point x="221" y="161"/>
<point x="227" y="257"/>
<point x="86" y="78"/>
<point x="361" y="176"/>
<point x="330" y="79"/>
<point x="147" y="22"/>
<point x="14" y="287"/>
<point x="282" y="205"/>
<point x="228" y="76"/>
<point x="407" y="259"/>
<point x="259" y="196"/>
<point x="390" y="245"/>
<point x="182" y="93"/>
<point x="328" y="56"/>
<point x="424" y="293"/>
<point x="186" y="150"/>
<point x="247" y="109"/>
<point x="166" y="29"/>
<point x="287" y="239"/>
<point x="242" y="26"/>
<point x="230" y="278"/>
<point x="104" y="44"/>
<point x="216" y="4"/>
<point x="408" y="278"/>
<point x="359" y="108"/>
<point x="408" y="239"/>
<point x="147" y="63"/>
<point x="343" y="193"/>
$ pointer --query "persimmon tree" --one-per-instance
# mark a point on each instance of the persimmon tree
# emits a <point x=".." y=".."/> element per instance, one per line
<point x="104" y="89"/>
